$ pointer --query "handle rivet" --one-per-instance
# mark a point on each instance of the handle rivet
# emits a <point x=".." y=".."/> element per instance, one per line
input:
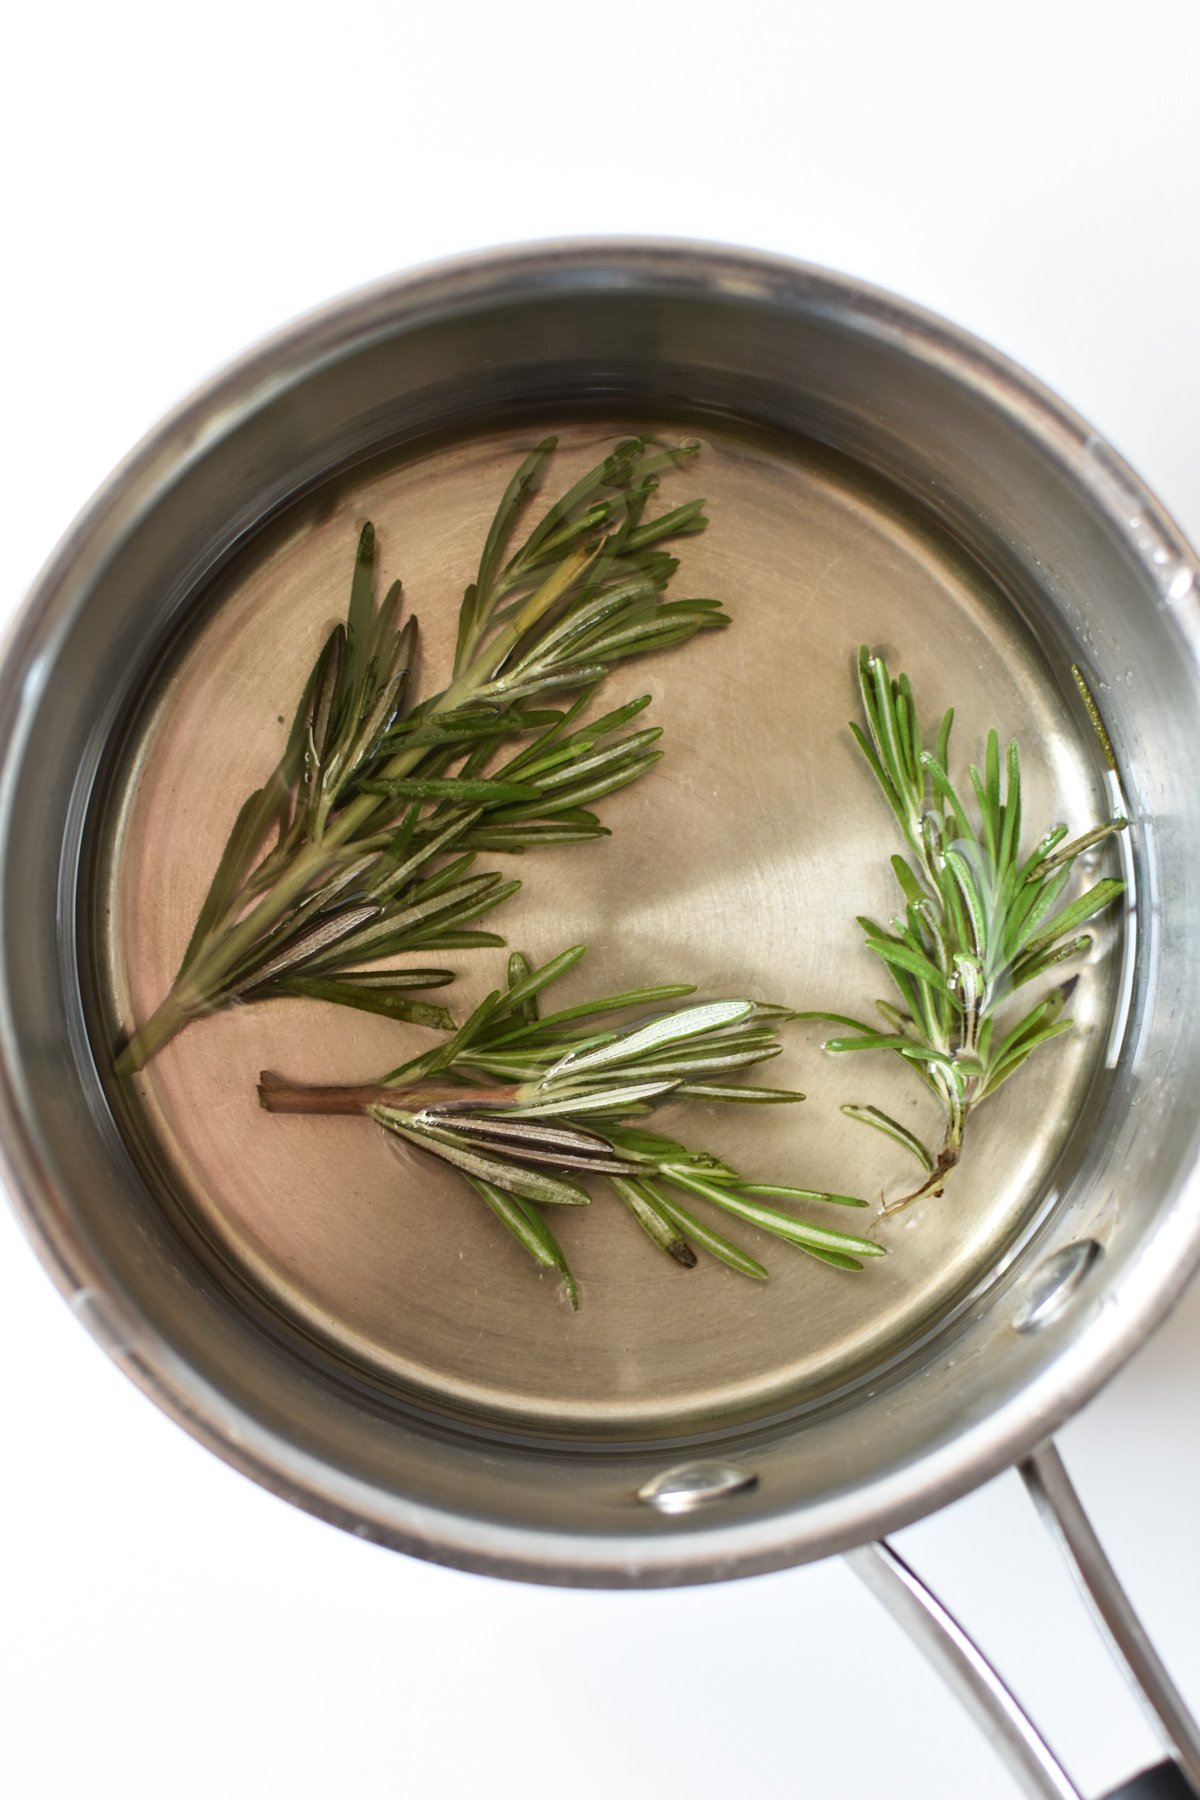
<point x="691" y="1485"/>
<point x="1053" y="1283"/>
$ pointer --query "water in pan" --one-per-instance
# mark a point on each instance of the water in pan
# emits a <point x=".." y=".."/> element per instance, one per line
<point x="738" y="864"/>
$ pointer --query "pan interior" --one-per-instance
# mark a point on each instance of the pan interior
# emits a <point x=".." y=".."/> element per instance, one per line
<point x="738" y="864"/>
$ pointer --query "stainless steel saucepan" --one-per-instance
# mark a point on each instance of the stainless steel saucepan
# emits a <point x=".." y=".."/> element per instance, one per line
<point x="283" y="1287"/>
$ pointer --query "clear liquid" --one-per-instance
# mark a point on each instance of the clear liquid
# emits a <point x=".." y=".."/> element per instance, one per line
<point x="739" y="864"/>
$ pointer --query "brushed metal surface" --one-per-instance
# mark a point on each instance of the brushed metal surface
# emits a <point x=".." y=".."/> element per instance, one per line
<point x="264" y="1319"/>
<point x="738" y="864"/>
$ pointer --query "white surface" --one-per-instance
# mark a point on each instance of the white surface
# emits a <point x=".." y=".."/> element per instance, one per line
<point x="182" y="180"/>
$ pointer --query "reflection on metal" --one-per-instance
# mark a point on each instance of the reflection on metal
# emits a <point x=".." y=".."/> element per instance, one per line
<point x="1059" y="1504"/>
<point x="1053" y="1283"/>
<point x="691" y="1485"/>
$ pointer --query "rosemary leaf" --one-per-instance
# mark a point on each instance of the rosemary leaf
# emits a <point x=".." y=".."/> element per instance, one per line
<point x="367" y="996"/>
<point x="659" y="1032"/>
<point x="703" y="1234"/>
<point x="451" y="787"/>
<point x="769" y="1218"/>
<point x="655" y="1219"/>
<point x="528" y="1184"/>
<point x="872" y="1115"/>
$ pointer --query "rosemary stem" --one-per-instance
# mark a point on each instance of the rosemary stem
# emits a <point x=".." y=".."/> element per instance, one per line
<point x="948" y="1158"/>
<point x="166" y="1022"/>
<point x="278" y="1095"/>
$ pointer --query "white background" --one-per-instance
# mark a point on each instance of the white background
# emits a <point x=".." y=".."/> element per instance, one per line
<point x="179" y="180"/>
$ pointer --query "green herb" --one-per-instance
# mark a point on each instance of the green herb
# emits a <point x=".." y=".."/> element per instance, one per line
<point x="361" y="845"/>
<point x="980" y="919"/>
<point x="524" y="1106"/>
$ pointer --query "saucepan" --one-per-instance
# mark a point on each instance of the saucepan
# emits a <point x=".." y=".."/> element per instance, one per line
<point x="334" y="1321"/>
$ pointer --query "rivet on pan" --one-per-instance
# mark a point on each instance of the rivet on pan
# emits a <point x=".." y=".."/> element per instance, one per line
<point x="1053" y="1283"/>
<point x="690" y="1485"/>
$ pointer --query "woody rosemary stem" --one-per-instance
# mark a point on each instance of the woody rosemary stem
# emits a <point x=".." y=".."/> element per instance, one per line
<point x="947" y="1159"/>
<point x="277" y="1095"/>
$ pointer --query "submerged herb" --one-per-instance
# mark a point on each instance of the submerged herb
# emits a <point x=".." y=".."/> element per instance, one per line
<point x="361" y="845"/>
<point x="524" y="1106"/>
<point x="979" y="921"/>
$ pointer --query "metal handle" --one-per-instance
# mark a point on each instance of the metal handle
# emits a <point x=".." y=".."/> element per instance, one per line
<point x="987" y="1697"/>
<point x="1166" y="1782"/>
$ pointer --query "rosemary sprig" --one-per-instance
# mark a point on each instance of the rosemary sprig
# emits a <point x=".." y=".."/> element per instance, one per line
<point x="980" y="919"/>
<point x="361" y="844"/>
<point x="524" y="1105"/>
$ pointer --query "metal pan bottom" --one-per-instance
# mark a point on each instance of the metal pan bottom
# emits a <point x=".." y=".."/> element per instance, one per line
<point x="738" y="864"/>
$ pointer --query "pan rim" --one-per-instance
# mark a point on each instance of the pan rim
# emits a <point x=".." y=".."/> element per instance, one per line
<point x="700" y="1553"/>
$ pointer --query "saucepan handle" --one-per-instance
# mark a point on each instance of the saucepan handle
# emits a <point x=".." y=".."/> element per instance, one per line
<point x="1166" y="1781"/>
<point x="986" y="1696"/>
